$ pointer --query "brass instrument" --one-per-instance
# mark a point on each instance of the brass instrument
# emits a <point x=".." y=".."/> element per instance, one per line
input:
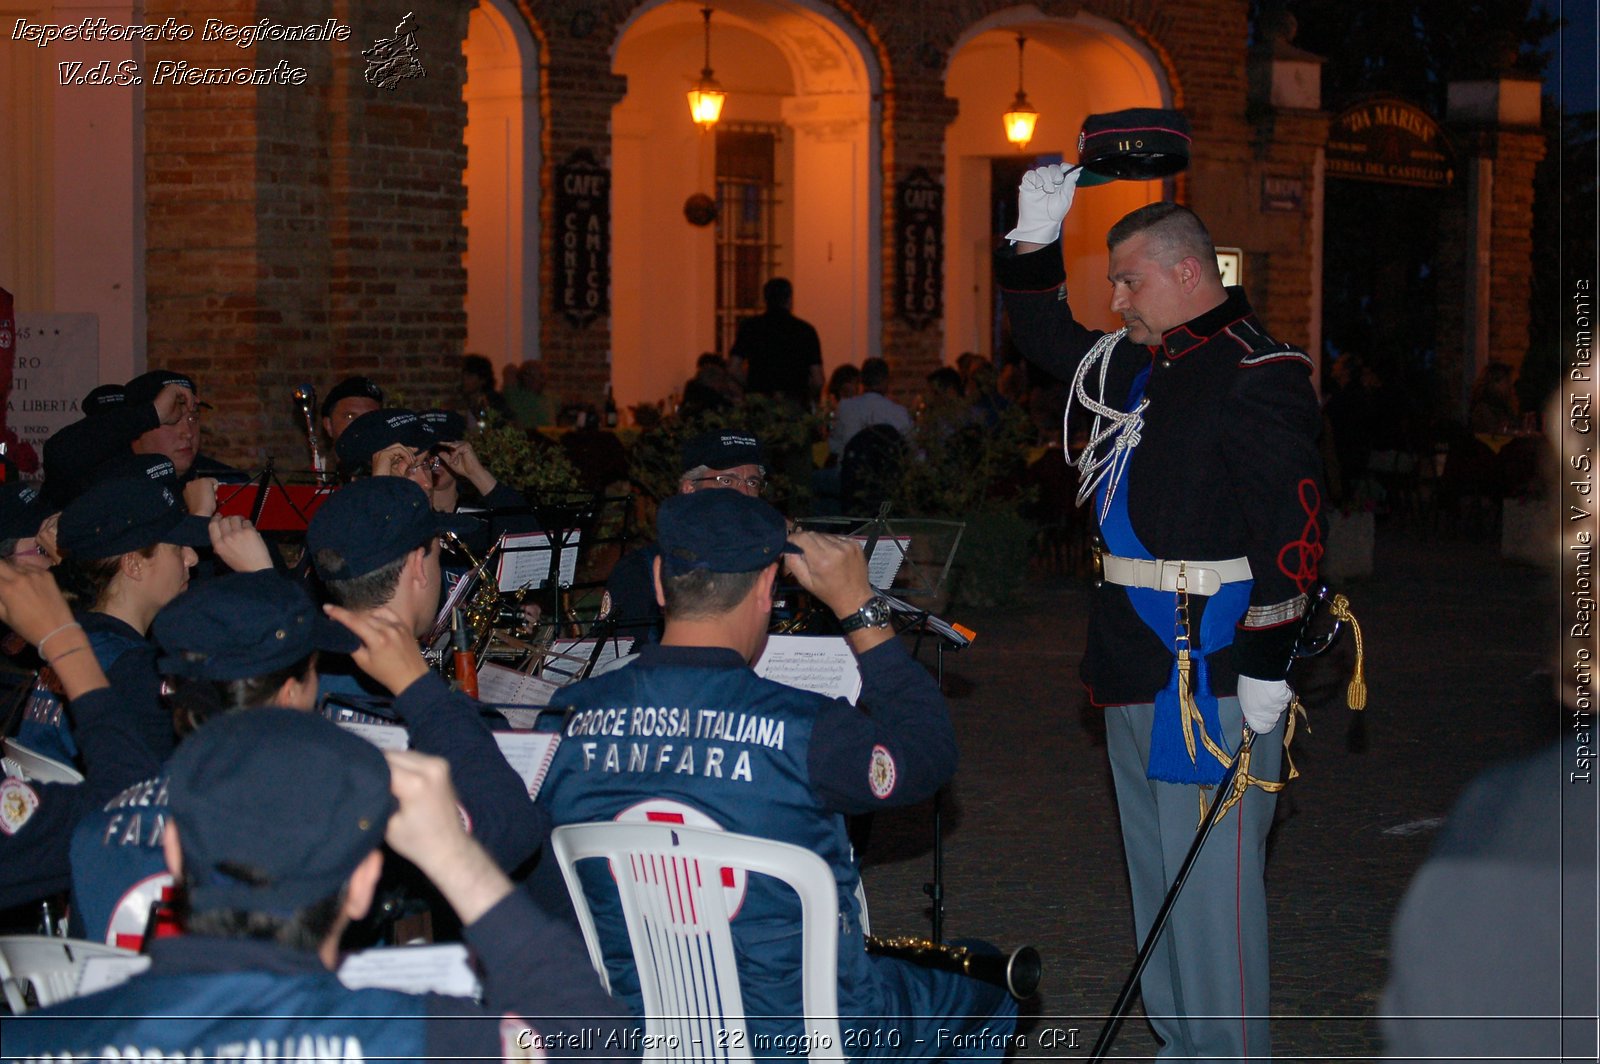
<point x="305" y="405"/>
<point x="1018" y="972"/>
<point x="489" y="610"/>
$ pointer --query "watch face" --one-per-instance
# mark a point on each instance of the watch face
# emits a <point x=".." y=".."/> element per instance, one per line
<point x="875" y="614"/>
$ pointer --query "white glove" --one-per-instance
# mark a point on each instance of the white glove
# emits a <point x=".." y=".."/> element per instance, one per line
<point x="1042" y="201"/>
<point x="1263" y="702"/>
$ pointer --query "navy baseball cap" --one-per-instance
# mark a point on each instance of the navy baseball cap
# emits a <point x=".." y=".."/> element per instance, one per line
<point x="351" y="388"/>
<point x="240" y="625"/>
<point x="376" y="430"/>
<point x="128" y="513"/>
<point x="74" y="455"/>
<point x="275" y="808"/>
<point x="156" y="467"/>
<point x="721" y="530"/>
<point x="370" y="522"/>
<point x="448" y="426"/>
<point x="723" y="449"/>
<point x="22" y="510"/>
<point x="146" y="386"/>
<point x="106" y="397"/>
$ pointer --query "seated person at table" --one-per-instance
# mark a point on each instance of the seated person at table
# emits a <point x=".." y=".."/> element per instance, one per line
<point x="252" y="639"/>
<point x="759" y="758"/>
<point x="726" y="458"/>
<point x="274" y="868"/>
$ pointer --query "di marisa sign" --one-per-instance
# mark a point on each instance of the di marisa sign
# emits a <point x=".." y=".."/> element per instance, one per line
<point x="171" y="31"/>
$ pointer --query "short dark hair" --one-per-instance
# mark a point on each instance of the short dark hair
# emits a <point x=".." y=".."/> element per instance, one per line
<point x="478" y="366"/>
<point x="874" y="374"/>
<point x="84" y="581"/>
<point x="945" y="379"/>
<point x="844" y="377"/>
<point x="196" y="700"/>
<point x="1179" y="232"/>
<point x="701" y="593"/>
<point x="367" y="591"/>
<point x="777" y="292"/>
<point x="303" y="932"/>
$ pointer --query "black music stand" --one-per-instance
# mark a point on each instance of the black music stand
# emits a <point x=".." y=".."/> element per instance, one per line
<point x="937" y="542"/>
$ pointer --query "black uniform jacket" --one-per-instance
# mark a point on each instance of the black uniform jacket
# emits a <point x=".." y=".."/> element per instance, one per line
<point x="1227" y="466"/>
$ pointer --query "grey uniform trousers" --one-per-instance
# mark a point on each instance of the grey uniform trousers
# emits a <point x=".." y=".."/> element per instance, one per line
<point x="1205" y="989"/>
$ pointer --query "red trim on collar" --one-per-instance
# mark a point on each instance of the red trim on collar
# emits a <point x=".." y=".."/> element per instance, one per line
<point x="1171" y="339"/>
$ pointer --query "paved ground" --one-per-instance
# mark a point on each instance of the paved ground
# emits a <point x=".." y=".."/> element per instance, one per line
<point x="1458" y="641"/>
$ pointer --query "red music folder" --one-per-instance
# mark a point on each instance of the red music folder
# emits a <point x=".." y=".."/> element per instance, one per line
<point x="288" y="507"/>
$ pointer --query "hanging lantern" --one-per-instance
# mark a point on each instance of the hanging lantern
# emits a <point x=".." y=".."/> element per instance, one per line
<point x="706" y="98"/>
<point x="1020" y="119"/>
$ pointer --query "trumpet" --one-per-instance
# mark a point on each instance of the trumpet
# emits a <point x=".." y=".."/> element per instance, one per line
<point x="1018" y="972"/>
<point x="305" y="405"/>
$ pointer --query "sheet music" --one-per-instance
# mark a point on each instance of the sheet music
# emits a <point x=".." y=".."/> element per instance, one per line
<point x="887" y="554"/>
<point x="525" y="559"/>
<point x="103" y="973"/>
<point x="438" y="969"/>
<point x="530" y="754"/>
<point x="821" y="663"/>
<point x="383" y="736"/>
<point x="521" y="719"/>
<point x="499" y="686"/>
<point x="568" y="658"/>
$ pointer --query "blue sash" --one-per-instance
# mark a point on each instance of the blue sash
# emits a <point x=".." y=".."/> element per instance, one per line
<point x="1169" y="754"/>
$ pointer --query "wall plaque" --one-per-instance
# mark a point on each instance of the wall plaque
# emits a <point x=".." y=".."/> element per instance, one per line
<point x="583" y="239"/>
<point x="919" y="249"/>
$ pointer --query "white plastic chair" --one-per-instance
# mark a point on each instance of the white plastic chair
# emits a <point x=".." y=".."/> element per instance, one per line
<point x="30" y="765"/>
<point x="49" y="966"/>
<point x="677" y="920"/>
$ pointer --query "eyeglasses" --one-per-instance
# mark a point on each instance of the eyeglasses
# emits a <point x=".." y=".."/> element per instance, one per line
<point x="404" y="466"/>
<point x="728" y="480"/>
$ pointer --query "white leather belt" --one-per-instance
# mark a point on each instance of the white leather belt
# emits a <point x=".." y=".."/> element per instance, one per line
<point x="1161" y="574"/>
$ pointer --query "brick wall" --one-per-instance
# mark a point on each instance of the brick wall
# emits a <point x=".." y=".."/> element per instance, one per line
<point x="308" y="232"/>
<point x="1516" y="156"/>
<point x="305" y="232"/>
<point x="1512" y="157"/>
<point x="578" y="91"/>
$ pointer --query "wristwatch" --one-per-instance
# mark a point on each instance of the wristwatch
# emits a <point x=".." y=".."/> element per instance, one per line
<point x="875" y="614"/>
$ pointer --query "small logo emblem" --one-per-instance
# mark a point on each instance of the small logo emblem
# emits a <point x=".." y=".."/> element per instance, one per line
<point x="881" y="773"/>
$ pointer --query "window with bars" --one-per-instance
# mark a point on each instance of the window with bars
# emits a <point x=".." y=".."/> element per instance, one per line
<point x="747" y="232"/>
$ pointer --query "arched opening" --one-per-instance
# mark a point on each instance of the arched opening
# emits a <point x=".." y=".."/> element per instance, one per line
<point x="502" y="180"/>
<point x="794" y="162"/>
<point x="1074" y="68"/>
